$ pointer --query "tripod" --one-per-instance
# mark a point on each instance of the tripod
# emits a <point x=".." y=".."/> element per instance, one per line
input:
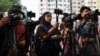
<point x="31" y="27"/>
<point x="69" y="41"/>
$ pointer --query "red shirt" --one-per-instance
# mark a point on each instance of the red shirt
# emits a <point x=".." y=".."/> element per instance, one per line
<point x="20" y="32"/>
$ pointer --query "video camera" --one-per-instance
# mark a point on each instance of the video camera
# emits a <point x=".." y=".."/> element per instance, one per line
<point x="58" y="11"/>
<point x="14" y="14"/>
<point x="31" y="24"/>
<point x="30" y="14"/>
<point x="68" y="22"/>
<point x="67" y="19"/>
<point x="93" y="15"/>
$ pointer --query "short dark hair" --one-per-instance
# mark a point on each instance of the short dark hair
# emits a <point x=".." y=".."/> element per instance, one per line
<point x="84" y="7"/>
<point x="15" y="9"/>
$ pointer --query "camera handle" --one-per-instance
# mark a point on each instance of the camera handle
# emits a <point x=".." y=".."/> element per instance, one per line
<point x="30" y="19"/>
<point x="57" y="16"/>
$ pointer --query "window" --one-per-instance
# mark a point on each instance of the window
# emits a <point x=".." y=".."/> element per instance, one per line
<point x="48" y="0"/>
<point x="82" y="1"/>
<point x="68" y="9"/>
<point x="94" y="2"/>
<point x="41" y="13"/>
<point x="64" y="9"/>
<point x="78" y="6"/>
<point x="48" y="4"/>
<point x="48" y="8"/>
<point x="59" y="0"/>
<point x="78" y="2"/>
<point x="53" y="4"/>
<point x="64" y="0"/>
<point x="89" y="6"/>
<point x="94" y="6"/>
<point x="89" y="2"/>
<point x="68" y="0"/>
<point x="64" y="4"/>
<point x="41" y="4"/>
<point x="41" y="9"/>
<point x="52" y="8"/>
<point x="52" y="0"/>
<point x="74" y="2"/>
<point x="75" y="10"/>
<point x="60" y="4"/>
<point x="41" y="0"/>
<point x="74" y="6"/>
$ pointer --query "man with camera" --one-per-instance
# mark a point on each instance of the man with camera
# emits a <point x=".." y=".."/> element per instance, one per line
<point x="14" y="33"/>
<point x="80" y="18"/>
<point x="21" y="33"/>
<point x="3" y="22"/>
<point x="86" y="32"/>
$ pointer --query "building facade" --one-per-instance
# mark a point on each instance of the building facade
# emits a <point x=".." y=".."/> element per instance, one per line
<point x="50" y="5"/>
<point x="65" y="6"/>
<point x="98" y="4"/>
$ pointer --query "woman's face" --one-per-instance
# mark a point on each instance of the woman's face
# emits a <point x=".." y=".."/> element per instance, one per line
<point x="85" y="12"/>
<point x="48" y="17"/>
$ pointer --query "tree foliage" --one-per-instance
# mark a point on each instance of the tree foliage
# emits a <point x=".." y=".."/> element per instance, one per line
<point x="5" y="5"/>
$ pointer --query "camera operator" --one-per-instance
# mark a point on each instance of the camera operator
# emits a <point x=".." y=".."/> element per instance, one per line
<point x="3" y="22"/>
<point x="64" y="31"/>
<point x="88" y="38"/>
<point x="80" y="18"/>
<point x="83" y="11"/>
<point x="65" y="26"/>
<point x="15" y="35"/>
<point x="69" y="41"/>
<point x="87" y="34"/>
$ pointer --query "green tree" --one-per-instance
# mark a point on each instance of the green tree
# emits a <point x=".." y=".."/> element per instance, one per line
<point x="5" y="5"/>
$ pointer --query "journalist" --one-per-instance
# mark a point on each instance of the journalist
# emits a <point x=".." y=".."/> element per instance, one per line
<point x="49" y="36"/>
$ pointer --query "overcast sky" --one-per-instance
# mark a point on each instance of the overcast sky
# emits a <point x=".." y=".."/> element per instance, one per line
<point x="32" y="5"/>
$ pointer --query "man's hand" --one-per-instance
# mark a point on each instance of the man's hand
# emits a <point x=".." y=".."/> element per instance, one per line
<point x="4" y="21"/>
<point x="21" y="43"/>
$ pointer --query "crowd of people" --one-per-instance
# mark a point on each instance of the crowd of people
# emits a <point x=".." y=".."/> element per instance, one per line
<point x="76" y="37"/>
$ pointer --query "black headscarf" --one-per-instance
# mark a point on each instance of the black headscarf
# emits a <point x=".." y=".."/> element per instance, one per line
<point x="45" y="24"/>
